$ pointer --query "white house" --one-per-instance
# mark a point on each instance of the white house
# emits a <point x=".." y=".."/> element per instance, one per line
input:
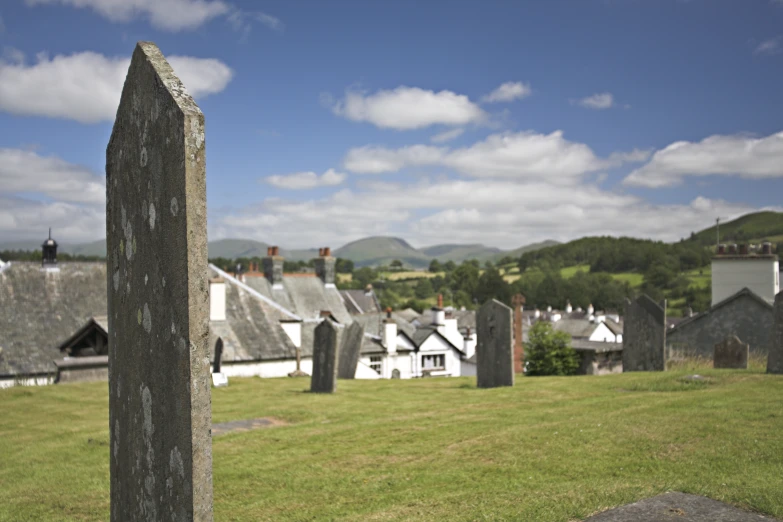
<point x="735" y="268"/>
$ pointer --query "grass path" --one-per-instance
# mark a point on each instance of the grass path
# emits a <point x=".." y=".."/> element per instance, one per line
<point x="548" y="449"/>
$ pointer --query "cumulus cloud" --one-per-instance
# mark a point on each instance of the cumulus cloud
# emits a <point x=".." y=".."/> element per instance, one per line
<point x="38" y="191"/>
<point x="86" y="86"/>
<point x="738" y="155"/>
<point x="507" y="92"/>
<point x="443" y="137"/>
<point x="521" y="155"/>
<point x="26" y="171"/>
<point x="169" y="15"/>
<point x="468" y="211"/>
<point x="604" y="100"/>
<point x="406" y="108"/>
<point x="306" y="180"/>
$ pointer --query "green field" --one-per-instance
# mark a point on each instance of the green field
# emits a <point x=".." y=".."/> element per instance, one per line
<point x="548" y="449"/>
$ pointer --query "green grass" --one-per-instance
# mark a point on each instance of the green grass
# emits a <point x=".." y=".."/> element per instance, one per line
<point x="548" y="449"/>
<point x="569" y="271"/>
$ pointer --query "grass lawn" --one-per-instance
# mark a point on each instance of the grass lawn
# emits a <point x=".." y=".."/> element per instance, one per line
<point x="701" y="280"/>
<point x="428" y="449"/>
<point x="569" y="271"/>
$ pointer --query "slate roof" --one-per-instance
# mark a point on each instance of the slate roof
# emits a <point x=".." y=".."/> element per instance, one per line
<point x="373" y="323"/>
<point x="359" y="302"/>
<point x="252" y="329"/>
<point x="576" y="328"/>
<point x="595" y="346"/>
<point x="304" y="296"/>
<point x="744" y="292"/>
<point x="465" y="319"/>
<point x="39" y="308"/>
<point x="615" y="328"/>
<point x="409" y="314"/>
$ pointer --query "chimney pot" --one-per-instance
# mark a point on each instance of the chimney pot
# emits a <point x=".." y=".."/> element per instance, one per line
<point x="733" y="249"/>
<point x="325" y="313"/>
<point x="743" y="249"/>
<point x="440" y="300"/>
<point x="721" y="250"/>
<point x="270" y="251"/>
<point x="766" y="248"/>
<point x="327" y="251"/>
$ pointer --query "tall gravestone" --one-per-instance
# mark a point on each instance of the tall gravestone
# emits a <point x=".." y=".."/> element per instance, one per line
<point x="325" y="348"/>
<point x="731" y="353"/>
<point x="644" y="335"/>
<point x="350" y="349"/>
<point x="495" y="345"/>
<point x="158" y="299"/>
<point x="775" y="356"/>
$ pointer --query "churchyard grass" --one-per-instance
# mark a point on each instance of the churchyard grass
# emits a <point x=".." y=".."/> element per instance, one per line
<point x="548" y="449"/>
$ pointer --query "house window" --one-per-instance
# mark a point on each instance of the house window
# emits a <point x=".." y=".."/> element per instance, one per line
<point x="375" y="363"/>
<point x="433" y="362"/>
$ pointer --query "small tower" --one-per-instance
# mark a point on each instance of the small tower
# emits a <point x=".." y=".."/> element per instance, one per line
<point x="49" y="249"/>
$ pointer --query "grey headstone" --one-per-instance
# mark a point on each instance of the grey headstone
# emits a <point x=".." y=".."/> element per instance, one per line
<point x="324" y="379"/>
<point x="644" y="335"/>
<point x="731" y="353"/>
<point x="775" y="357"/>
<point x="158" y="299"/>
<point x="350" y="348"/>
<point x="495" y="345"/>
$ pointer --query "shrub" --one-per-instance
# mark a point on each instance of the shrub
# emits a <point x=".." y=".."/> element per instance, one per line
<point x="548" y="352"/>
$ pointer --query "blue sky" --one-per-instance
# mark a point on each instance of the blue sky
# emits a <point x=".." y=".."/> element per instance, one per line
<point x="501" y="123"/>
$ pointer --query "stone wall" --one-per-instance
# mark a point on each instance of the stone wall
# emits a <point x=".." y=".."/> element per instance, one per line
<point x="744" y="316"/>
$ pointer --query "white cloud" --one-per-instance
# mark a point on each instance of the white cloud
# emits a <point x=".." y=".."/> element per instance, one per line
<point x="507" y="92"/>
<point x="86" y="86"/>
<point x="743" y="156"/>
<point x="604" y="100"/>
<point x="521" y="155"/>
<point x="406" y="108"/>
<point x="497" y="212"/>
<point x="37" y="192"/>
<point x="770" y="46"/>
<point x="26" y="171"/>
<point x="448" y="135"/>
<point x="171" y="15"/>
<point x="306" y="180"/>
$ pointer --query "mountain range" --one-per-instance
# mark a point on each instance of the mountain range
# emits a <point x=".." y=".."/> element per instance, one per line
<point x="374" y="251"/>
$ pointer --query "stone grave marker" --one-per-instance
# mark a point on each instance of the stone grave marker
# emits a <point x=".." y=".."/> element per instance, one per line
<point x="775" y="356"/>
<point x="325" y="348"/>
<point x="350" y="349"/>
<point x="158" y="301"/>
<point x="644" y="335"/>
<point x="731" y="353"/>
<point x="219" y="379"/>
<point x="495" y="345"/>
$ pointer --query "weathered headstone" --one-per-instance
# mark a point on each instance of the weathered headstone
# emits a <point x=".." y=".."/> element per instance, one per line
<point x="731" y="353"/>
<point x="350" y="348"/>
<point x="158" y="300"/>
<point x="775" y="356"/>
<point x="519" y="350"/>
<point x="644" y="335"/>
<point x="219" y="379"/>
<point x="324" y="379"/>
<point x="495" y="346"/>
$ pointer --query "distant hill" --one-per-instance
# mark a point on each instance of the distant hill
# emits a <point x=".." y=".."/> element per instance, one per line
<point x="458" y="253"/>
<point x="373" y="251"/>
<point x="532" y="247"/>
<point x="756" y="226"/>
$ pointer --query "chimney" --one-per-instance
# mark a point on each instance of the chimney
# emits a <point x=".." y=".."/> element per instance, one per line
<point x="537" y="313"/>
<point x="766" y="248"/>
<point x="548" y="308"/>
<point x="440" y="300"/>
<point x="324" y="266"/>
<point x="743" y="249"/>
<point x="49" y="250"/>
<point x="438" y="315"/>
<point x="469" y="346"/>
<point x="368" y="289"/>
<point x="273" y="266"/>
<point x="568" y="308"/>
<point x="721" y="250"/>
<point x="689" y="312"/>
<point x="325" y="314"/>
<point x="217" y="299"/>
<point x="733" y="249"/>
<point x="390" y="333"/>
<point x="590" y="309"/>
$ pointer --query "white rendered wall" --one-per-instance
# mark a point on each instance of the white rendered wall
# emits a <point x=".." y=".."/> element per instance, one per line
<point x="729" y="276"/>
<point x="602" y="333"/>
<point x="294" y="331"/>
<point x="468" y="369"/>
<point x="217" y="301"/>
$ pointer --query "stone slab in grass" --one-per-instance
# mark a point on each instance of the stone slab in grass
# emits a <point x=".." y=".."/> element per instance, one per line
<point x="244" y="425"/>
<point x="678" y="507"/>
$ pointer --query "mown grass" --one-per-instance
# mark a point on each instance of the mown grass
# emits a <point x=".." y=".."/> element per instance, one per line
<point x="548" y="449"/>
